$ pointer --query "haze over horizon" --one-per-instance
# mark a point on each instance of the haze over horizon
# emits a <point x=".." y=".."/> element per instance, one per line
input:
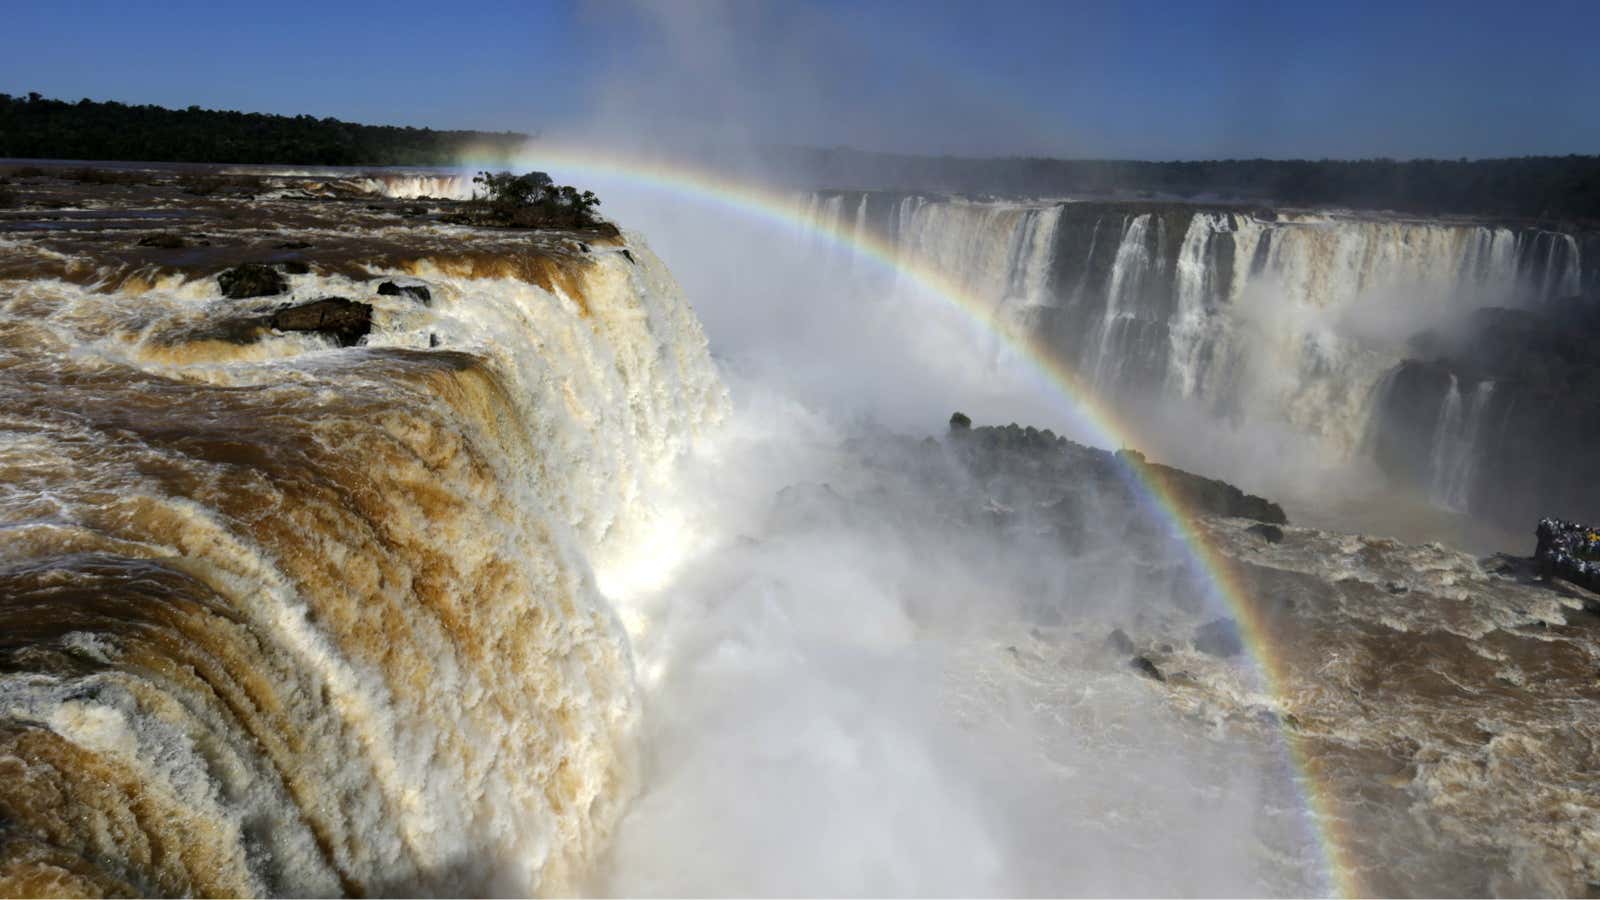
<point x="1134" y="80"/>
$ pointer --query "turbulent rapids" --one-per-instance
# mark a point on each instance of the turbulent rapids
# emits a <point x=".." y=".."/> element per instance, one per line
<point x="282" y="617"/>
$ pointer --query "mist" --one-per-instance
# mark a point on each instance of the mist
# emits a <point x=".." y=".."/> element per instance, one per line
<point x="849" y="687"/>
<point x="851" y="690"/>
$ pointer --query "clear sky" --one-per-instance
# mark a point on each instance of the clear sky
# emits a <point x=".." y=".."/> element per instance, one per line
<point x="1125" y="79"/>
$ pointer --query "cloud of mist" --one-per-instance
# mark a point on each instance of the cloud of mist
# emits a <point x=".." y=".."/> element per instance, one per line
<point x="838" y="331"/>
<point x="851" y="690"/>
<point x="848" y="689"/>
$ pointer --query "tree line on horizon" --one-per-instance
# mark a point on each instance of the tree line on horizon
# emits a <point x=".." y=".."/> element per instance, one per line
<point x="35" y="127"/>
<point x="1548" y="188"/>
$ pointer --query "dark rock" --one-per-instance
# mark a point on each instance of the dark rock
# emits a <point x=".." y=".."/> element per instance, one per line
<point x="1530" y="376"/>
<point x="433" y="340"/>
<point x="295" y="267"/>
<point x="416" y="292"/>
<point x="347" y="321"/>
<point x="234" y="331"/>
<point x="251" y="280"/>
<point x="1395" y="587"/>
<point x="1219" y="637"/>
<point x="628" y="255"/>
<point x="1272" y="534"/>
<point x="292" y="245"/>
<point x="1200" y="494"/>
<point x="164" y="241"/>
<point x="1119" y="641"/>
<point x="1073" y="482"/>
<point x="1145" y="667"/>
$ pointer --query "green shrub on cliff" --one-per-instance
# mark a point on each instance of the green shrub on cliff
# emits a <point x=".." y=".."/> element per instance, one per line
<point x="530" y="200"/>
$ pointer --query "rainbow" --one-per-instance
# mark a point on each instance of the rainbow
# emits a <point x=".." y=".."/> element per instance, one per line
<point x="1105" y="427"/>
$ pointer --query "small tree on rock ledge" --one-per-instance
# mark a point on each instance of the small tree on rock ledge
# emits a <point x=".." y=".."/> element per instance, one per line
<point x="530" y="200"/>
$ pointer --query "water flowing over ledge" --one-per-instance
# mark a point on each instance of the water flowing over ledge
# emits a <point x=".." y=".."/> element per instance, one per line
<point x="1310" y="324"/>
<point x="283" y="617"/>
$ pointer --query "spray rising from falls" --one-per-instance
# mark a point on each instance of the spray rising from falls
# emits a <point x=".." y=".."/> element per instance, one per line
<point x="282" y="617"/>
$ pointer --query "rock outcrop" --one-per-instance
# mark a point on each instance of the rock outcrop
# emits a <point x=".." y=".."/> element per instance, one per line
<point x="416" y="292"/>
<point x="347" y="321"/>
<point x="1205" y="494"/>
<point x="251" y="280"/>
<point x="1032" y="452"/>
<point x="1519" y="390"/>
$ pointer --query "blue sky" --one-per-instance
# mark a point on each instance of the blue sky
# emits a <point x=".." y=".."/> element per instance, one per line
<point x="1130" y="79"/>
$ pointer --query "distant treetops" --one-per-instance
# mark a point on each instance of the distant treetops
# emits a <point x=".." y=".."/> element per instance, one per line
<point x="34" y="127"/>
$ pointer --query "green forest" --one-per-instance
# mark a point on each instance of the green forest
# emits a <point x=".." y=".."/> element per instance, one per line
<point x="34" y="127"/>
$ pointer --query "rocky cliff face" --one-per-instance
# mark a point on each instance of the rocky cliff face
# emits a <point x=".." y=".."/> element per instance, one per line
<point x="1501" y="417"/>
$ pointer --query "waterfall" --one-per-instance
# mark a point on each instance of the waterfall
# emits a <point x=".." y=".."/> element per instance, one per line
<point x="1030" y="259"/>
<point x="1286" y="319"/>
<point x="1196" y="292"/>
<point x="285" y="617"/>
<point x="1133" y="265"/>
<point x="1455" y="445"/>
<point x="411" y="186"/>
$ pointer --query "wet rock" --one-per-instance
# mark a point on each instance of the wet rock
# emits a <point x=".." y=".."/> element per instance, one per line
<point x="416" y="292"/>
<point x="1119" y="641"/>
<point x="347" y="321"/>
<point x="1205" y="495"/>
<point x="1277" y="720"/>
<point x="165" y="241"/>
<point x="628" y="255"/>
<point x="1395" y="587"/>
<point x="295" y="267"/>
<point x="1219" y="637"/>
<point x="1145" y="667"/>
<point x="1272" y="534"/>
<point x="251" y="280"/>
<point x="292" y="245"/>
